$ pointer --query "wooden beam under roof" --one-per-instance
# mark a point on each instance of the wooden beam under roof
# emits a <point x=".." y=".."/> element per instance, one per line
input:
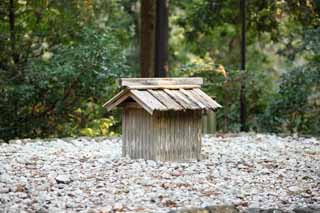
<point x="134" y="82"/>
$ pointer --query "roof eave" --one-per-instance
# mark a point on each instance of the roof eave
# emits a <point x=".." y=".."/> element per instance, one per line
<point x="121" y="97"/>
<point x="117" y="99"/>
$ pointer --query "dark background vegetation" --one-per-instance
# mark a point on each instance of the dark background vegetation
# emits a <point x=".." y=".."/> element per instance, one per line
<point x="59" y="62"/>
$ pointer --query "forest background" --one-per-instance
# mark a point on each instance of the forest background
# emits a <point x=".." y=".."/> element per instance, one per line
<point x="60" y="61"/>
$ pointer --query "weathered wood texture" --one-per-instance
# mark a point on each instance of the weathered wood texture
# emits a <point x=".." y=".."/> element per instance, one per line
<point x="162" y="117"/>
<point x="164" y="94"/>
<point x="128" y="82"/>
<point x="164" y="136"/>
<point x="137" y="133"/>
<point x="166" y="100"/>
<point x="163" y="86"/>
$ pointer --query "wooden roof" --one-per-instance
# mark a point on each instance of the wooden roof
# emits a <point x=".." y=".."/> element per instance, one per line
<point x="164" y="94"/>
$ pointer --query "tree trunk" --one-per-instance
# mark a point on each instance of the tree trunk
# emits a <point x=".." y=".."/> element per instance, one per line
<point x="243" y="126"/>
<point x="154" y="38"/>
<point x="147" y="42"/>
<point x="161" y="63"/>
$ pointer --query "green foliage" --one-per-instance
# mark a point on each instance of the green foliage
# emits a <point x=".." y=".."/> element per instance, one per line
<point x="59" y="65"/>
<point x="207" y="34"/>
<point x="54" y="91"/>
<point x="296" y="106"/>
<point x="223" y="83"/>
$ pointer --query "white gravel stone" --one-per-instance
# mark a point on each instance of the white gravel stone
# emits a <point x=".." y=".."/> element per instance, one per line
<point x="89" y="175"/>
<point x="63" y="179"/>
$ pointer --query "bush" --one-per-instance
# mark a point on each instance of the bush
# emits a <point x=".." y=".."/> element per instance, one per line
<point x="61" y="94"/>
<point x="296" y="107"/>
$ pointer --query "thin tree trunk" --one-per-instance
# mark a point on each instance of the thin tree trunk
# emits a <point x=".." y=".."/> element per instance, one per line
<point x="243" y="126"/>
<point x="147" y="42"/>
<point x="14" y="56"/>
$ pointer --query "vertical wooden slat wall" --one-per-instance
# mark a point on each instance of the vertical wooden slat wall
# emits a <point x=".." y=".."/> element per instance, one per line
<point x="124" y="132"/>
<point x="164" y="136"/>
<point x="177" y="135"/>
<point x="136" y="132"/>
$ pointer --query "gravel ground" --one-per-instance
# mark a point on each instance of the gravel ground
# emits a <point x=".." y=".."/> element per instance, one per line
<point x="89" y="175"/>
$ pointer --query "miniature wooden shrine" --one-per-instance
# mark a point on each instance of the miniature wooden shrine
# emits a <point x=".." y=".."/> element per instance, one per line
<point x="162" y="117"/>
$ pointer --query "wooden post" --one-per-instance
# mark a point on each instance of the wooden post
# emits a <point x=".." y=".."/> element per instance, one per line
<point x="209" y="125"/>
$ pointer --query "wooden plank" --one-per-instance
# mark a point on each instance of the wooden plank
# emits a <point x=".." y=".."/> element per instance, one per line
<point x="200" y="99"/>
<point x="143" y="128"/>
<point x="212" y="103"/>
<point x="147" y="136"/>
<point x="173" y="127"/>
<point x="142" y="122"/>
<point x="133" y="105"/>
<point x="181" y="99"/>
<point x="206" y="100"/>
<point x="198" y="125"/>
<point x="130" y="142"/>
<point x="162" y="86"/>
<point x="172" y="136"/>
<point x="192" y="98"/>
<point x="165" y="136"/>
<point x="147" y="101"/>
<point x="156" y="142"/>
<point x="184" y="136"/>
<point x="166" y="100"/>
<point x="186" y="99"/>
<point x="138" y="133"/>
<point x="124" y="132"/>
<point x="160" y="81"/>
<point x="116" y="100"/>
<point x="147" y="107"/>
<point x="171" y="145"/>
<point x="179" y="139"/>
<point x="176" y="98"/>
<point x="189" y="135"/>
<point x="133" y="134"/>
